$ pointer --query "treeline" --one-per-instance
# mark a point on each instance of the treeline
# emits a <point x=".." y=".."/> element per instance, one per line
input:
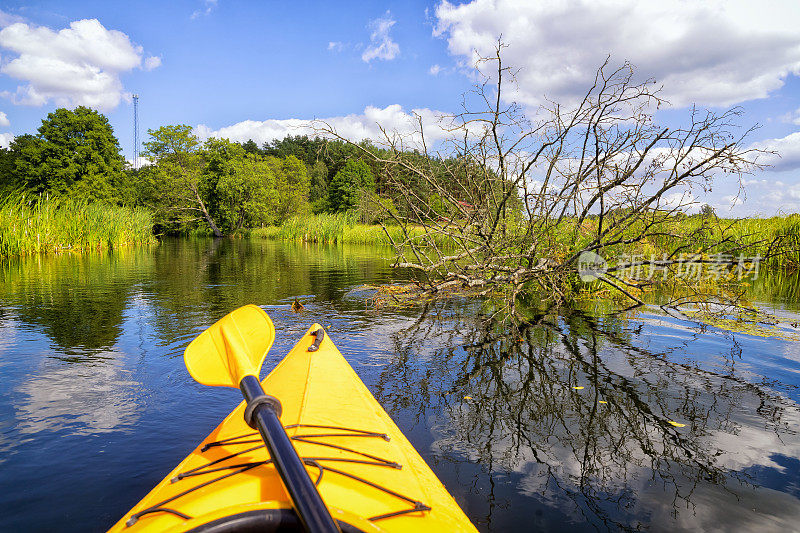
<point x="186" y="183"/>
<point x="229" y="186"/>
<point x="66" y="188"/>
<point x="225" y="186"/>
<point x="217" y="183"/>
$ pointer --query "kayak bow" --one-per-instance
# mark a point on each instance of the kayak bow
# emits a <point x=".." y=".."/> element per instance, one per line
<point x="367" y="473"/>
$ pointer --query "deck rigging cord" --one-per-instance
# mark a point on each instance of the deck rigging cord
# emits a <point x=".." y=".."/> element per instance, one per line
<point x="239" y="468"/>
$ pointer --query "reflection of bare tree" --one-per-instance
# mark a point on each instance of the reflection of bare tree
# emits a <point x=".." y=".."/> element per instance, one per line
<point x="583" y="414"/>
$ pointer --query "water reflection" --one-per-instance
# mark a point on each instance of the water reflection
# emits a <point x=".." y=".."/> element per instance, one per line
<point x="93" y="391"/>
<point x="581" y="415"/>
<point x="79" y="301"/>
<point x="780" y="288"/>
<point x="86" y="400"/>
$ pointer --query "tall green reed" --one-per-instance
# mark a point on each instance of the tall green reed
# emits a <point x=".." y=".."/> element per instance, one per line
<point x="41" y="224"/>
<point x="336" y="228"/>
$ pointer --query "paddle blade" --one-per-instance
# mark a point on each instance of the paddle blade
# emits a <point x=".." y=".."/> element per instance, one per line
<point x="232" y="348"/>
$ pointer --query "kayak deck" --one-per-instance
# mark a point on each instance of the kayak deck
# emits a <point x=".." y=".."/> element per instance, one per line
<point x="367" y="472"/>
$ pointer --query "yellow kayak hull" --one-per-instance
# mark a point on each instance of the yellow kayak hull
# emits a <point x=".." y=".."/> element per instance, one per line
<point x="367" y="472"/>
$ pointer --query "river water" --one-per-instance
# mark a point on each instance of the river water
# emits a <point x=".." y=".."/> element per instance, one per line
<point x="577" y="422"/>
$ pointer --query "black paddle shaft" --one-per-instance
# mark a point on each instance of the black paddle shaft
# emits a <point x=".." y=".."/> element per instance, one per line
<point x="308" y="504"/>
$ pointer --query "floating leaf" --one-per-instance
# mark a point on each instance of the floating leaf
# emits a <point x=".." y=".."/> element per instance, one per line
<point x="467" y="397"/>
<point x="577" y="388"/>
<point x="603" y="401"/>
<point x="676" y="424"/>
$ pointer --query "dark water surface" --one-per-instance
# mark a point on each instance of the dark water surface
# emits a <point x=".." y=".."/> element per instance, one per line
<point x="96" y="405"/>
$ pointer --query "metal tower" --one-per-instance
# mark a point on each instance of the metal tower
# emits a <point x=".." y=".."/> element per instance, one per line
<point x="136" y="131"/>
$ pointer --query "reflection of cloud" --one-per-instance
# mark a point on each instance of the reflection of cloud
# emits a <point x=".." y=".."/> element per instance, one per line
<point x="9" y="338"/>
<point x="564" y="452"/>
<point x="732" y="509"/>
<point x="792" y="350"/>
<point x="625" y="472"/>
<point x="752" y="444"/>
<point x="91" y="398"/>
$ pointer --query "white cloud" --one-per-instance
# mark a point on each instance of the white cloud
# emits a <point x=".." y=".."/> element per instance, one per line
<point x="5" y="139"/>
<point x="434" y="70"/>
<point x="354" y="127"/>
<point x="152" y="62"/>
<point x="208" y="7"/>
<point x="793" y="117"/>
<point x="6" y="19"/>
<point x="788" y="152"/>
<point x="776" y="199"/>
<point x="717" y="52"/>
<point x="683" y="200"/>
<point x="381" y="45"/>
<point x="4" y="122"/>
<point x="336" y="46"/>
<point x="763" y="196"/>
<point x="79" y="65"/>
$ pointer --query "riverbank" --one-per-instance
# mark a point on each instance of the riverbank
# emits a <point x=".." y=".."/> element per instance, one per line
<point x="775" y="238"/>
<point x="338" y="228"/>
<point x="30" y="225"/>
<point x="44" y="225"/>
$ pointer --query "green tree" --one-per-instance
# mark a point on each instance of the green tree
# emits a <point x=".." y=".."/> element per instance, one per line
<point x="251" y="147"/>
<point x="318" y="188"/>
<point x="292" y="185"/>
<point x="348" y="184"/>
<point x="240" y="187"/>
<point x="74" y="152"/>
<point x="178" y="183"/>
<point x="706" y="211"/>
<point x="299" y="146"/>
<point x="247" y="196"/>
<point x="9" y="180"/>
<point x="126" y="190"/>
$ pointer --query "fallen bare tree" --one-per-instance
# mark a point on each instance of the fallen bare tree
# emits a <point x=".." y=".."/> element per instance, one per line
<point x="514" y="203"/>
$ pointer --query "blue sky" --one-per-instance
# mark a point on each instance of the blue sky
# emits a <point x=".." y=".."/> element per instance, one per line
<point x="247" y="69"/>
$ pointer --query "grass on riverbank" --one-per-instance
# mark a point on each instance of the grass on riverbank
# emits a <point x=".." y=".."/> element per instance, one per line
<point x="339" y="228"/>
<point x="31" y="224"/>
<point x="776" y="238"/>
<point x="754" y="235"/>
<point x="784" y="230"/>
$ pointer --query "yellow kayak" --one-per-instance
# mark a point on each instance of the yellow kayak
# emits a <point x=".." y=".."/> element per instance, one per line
<point x="367" y="473"/>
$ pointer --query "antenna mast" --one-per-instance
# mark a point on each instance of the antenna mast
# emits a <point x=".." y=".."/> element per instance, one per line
<point x="136" y="131"/>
